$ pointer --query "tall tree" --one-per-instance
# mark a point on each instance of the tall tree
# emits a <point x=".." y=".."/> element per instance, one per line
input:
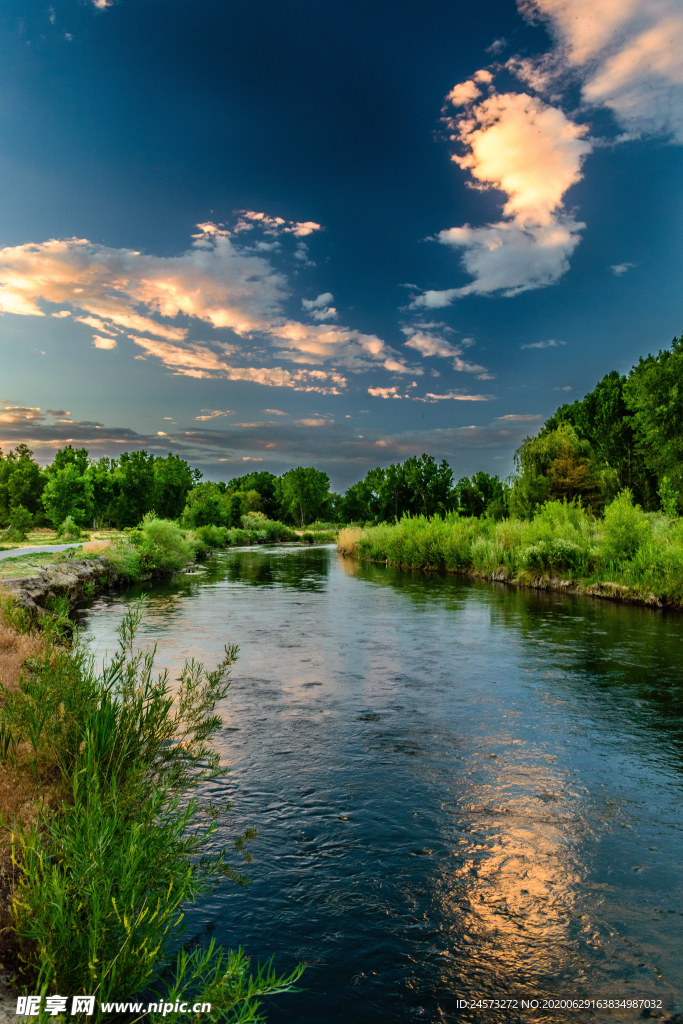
<point x="68" y="493"/>
<point x="173" y="481"/>
<point x="302" y="492"/>
<point x="135" y="479"/>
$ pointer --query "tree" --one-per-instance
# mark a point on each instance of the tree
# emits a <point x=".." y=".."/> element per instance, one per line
<point x="207" y="505"/>
<point x="70" y="456"/>
<point x="481" y="495"/>
<point x="68" y="493"/>
<point x="20" y="520"/>
<point x="554" y="465"/>
<point x="21" y="483"/>
<point x="102" y="475"/>
<point x="136" y="487"/>
<point x="263" y="482"/>
<point x="173" y="481"/>
<point x="654" y="394"/>
<point x="302" y="493"/>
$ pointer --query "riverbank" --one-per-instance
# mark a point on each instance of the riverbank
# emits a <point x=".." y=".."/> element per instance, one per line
<point x="628" y="556"/>
<point x="99" y="844"/>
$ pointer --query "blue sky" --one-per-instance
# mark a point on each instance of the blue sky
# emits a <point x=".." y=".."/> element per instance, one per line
<point x="264" y="235"/>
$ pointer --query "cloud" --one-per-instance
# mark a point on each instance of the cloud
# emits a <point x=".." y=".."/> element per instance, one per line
<point x="456" y="396"/>
<point x="58" y="412"/>
<point x="517" y="144"/>
<point x="428" y="343"/>
<point x="627" y="55"/>
<point x="320" y="308"/>
<point x="497" y="46"/>
<point x="621" y="268"/>
<point x="276" y="412"/>
<point x="216" y="282"/>
<point x="515" y="418"/>
<point x="545" y="344"/>
<point x="105" y="343"/>
<point x="566" y="388"/>
<point x="212" y="414"/>
<point x="314" y="422"/>
<point x="274" y="225"/>
<point x="384" y="392"/>
<point x="62" y="313"/>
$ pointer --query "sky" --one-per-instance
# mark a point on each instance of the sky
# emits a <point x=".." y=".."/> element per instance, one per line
<point x="262" y="235"/>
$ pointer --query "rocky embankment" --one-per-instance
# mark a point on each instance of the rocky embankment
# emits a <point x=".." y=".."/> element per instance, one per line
<point x="77" y="578"/>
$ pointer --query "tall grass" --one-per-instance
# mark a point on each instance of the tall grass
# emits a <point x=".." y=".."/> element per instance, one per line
<point x="636" y="550"/>
<point x="101" y="881"/>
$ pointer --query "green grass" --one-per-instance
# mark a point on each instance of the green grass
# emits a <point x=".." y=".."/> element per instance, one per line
<point x="642" y="552"/>
<point x="101" y="882"/>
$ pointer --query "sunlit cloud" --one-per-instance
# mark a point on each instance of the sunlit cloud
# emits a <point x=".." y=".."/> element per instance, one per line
<point x="216" y="282"/>
<point x="524" y="418"/>
<point x="627" y="54"/>
<point x="212" y="414"/>
<point x="517" y="144"/>
<point x="384" y="392"/>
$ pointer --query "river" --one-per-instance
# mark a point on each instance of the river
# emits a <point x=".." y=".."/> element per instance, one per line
<point x="463" y="791"/>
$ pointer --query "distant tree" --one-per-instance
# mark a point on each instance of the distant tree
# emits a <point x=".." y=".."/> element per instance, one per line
<point x="480" y="495"/>
<point x="206" y="505"/>
<point x="654" y="394"/>
<point x="102" y="475"/>
<point x="20" y="521"/>
<point x="21" y="483"/>
<point x="135" y="486"/>
<point x="301" y="493"/>
<point x="68" y="493"/>
<point x="173" y="480"/>
<point x="70" y="456"/>
<point x="263" y="482"/>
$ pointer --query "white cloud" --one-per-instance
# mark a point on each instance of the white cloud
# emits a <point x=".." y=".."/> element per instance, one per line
<point x="545" y="344"/>
<point x="456" y="396"/>
<point x="276" y="412"/>
<point x="62" y="313"/>
<point x="105" y="343"/>
<point x="275" y="225"/>
<point x="320" y="309"/>
<point x="621" y="268"/>
<point x="628" y="55"/>
<point x="384" y="392"/>
<point x="428" y="343"/>
<point x="497" y="46"/>
<point x="217" y="282"/>
<point x="517" y="144"/>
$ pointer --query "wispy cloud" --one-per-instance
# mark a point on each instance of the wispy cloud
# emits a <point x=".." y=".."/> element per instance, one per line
<point x="217" y="282"/>
<point x="517" y="418"/>
<point x="627" y="55"/>
<point x="544" y="344"/>
<point x="620" y="268"/>
<point x="430" y="342"/>
<point x="212" y="414"/>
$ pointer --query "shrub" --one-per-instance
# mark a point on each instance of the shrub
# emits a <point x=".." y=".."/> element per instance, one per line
<point x="625" y="528"/>
<point x="554" y="555"/>
<point x="212" y="536"/>
<point x="99" y="899"/>
<point x="162" y="544"/>
<point x="20" y="521"/>
<point x="69" y="530"/>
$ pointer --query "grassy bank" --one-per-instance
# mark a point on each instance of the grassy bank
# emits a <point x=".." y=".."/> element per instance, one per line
<point x="639" y="555"/>
<point x="102" y="837"/>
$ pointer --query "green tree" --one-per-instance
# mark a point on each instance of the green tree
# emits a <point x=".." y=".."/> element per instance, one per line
<point x="70" y="456"/>
<point x="263" y="482"/>
<point x="136" y="487"/>
<point x="173" y="481"/>
<point x="481" y="495"/>
<point x="20" y="520"/>
<point x="102" y="475"/>
<point x="206" y="505"/>
<point x="654" y="394"/>
<point x="21" y="483"/>
<point x="68" y="493"/>
<point x="302" y="492"/>
<point x="554" y="465"/>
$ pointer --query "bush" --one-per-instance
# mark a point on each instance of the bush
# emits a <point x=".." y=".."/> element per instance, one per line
<point x="69" y="530"/>
<point x="162" y="544"/>
<point x="20" y="522"/>
<point x="554" y="556"/>
<point x="212" y="536"/>
<point x="98" y="902"/>
<point x="625" y="528"/>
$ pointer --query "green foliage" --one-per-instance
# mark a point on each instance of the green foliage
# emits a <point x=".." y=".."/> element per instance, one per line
<point x="102" y="884"/>
<point x="162" y="544"/>
<point x="625" y="527"/>
<point x="21" y="483"/>
<point x="264" y="484"/>
<point x="418" y="486"/>
<point x="69" y="530"/>
<point x="482" y="495"/>
<point x="20" y="522"/>
<point x="173" y="481"/>
<point x="302" y="493"/>
<point x="68" y="493"/>
<point x="669" y="498"/>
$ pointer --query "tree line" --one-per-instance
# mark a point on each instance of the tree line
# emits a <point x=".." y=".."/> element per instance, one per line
<point x="626" y="433"/>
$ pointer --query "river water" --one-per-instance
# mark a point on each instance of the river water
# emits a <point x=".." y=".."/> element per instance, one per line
<point x="462" y="791"/>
